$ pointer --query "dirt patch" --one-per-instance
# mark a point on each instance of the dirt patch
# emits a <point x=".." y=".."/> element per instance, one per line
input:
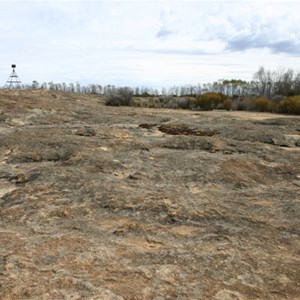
<point x="147" y="126"/>
<point x="180" y="129"/>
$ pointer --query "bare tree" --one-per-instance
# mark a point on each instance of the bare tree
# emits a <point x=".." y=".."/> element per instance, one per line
<point x="264" y="82"/>
<point x="284" y="82"/>
<point x="119" y="96"/>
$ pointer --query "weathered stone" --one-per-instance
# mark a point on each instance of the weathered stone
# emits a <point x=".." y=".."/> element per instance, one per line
<point x="97" y="202"/>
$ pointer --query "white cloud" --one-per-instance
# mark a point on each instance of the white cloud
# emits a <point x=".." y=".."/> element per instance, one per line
<point x="146" y="41"/>
<point x="115" y="12"/>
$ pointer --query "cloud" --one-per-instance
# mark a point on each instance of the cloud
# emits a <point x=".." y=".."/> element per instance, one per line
<point x="115" y="12"/>
<point x="181" y="51"/>
<point x="164" y="33"/>
<point x="262" y="42"/>
<point x="286" y="47"/>
<point x="169" y="20"/>
<point x="244" y="43"/>
<point x="257" y="26"/>
<point x="94" y="39"/>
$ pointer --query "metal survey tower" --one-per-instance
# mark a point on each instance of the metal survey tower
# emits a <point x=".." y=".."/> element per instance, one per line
<point x="13" y="81"/>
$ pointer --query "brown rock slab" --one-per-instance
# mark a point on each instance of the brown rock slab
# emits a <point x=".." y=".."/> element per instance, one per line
<point x="102" y="202"/>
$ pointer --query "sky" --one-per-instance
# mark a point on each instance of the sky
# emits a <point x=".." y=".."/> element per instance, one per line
<point x="146" y="43"/>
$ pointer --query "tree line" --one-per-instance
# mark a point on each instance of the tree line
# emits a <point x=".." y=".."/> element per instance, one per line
<point x="266" y="83"/>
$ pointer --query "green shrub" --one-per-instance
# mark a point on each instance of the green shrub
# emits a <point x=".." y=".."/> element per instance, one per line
<point x="209" y="101"/>
<point x="119" y="97"/>
<point x="227" y="104"/>
<point x="291" y="105"/>
<point x="263" y="104"/>
<point x="204" y="103"/>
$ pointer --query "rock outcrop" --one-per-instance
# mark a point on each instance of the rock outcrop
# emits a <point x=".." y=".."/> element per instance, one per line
<point x="102" y="202"/>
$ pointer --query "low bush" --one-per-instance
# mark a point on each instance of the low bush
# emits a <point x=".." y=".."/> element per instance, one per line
<point x="244" y="103"/>
<point x="209" y="101"/>
<point x="184" y="103"/>
<point x="120" y="96"/>
<point x="263" y="104"/>
<point x="227" y="104"/>
<point x="163" y="102"/>
<point x="291" y="105"/>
